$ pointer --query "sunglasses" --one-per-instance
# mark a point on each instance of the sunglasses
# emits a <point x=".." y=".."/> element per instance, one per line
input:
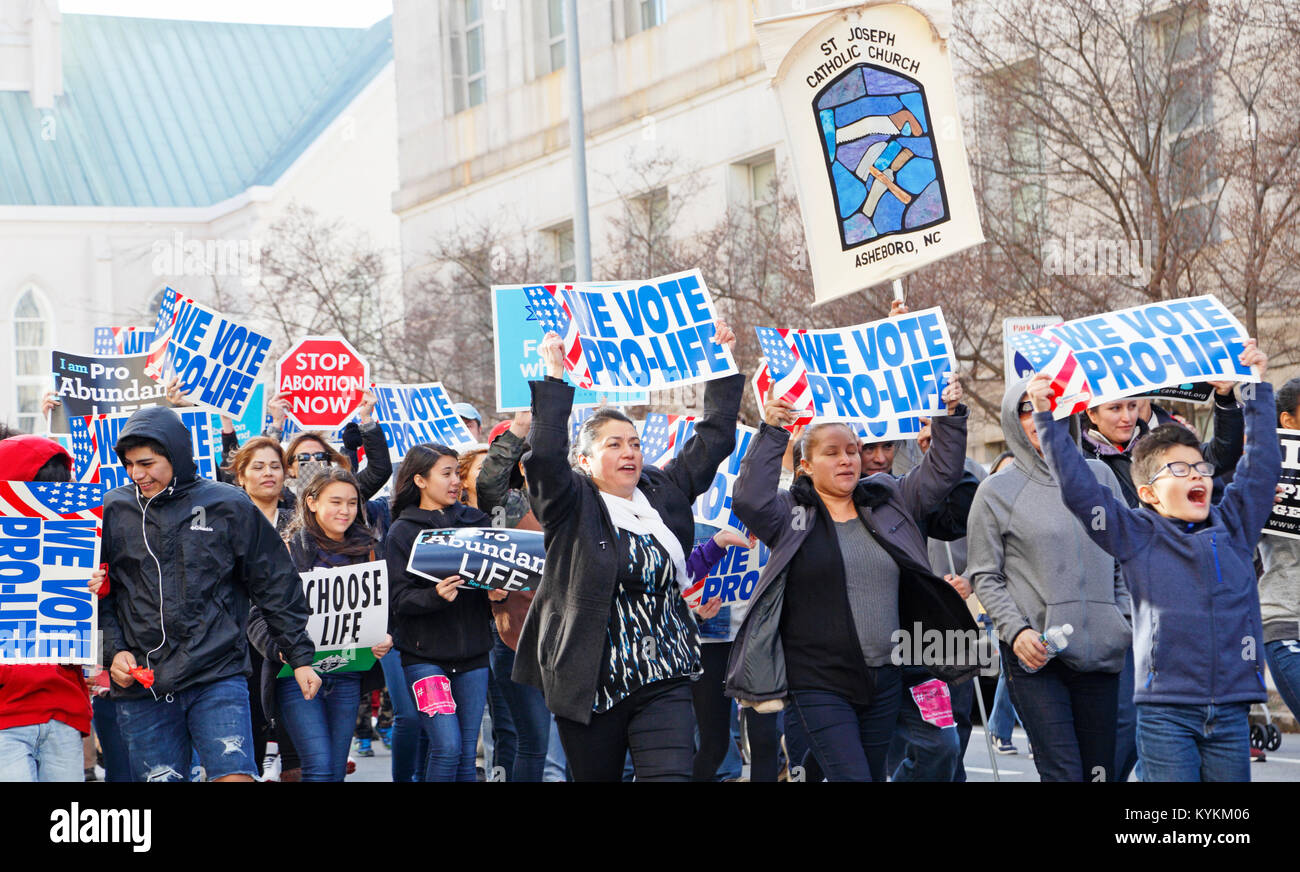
<point x="315" y="455"/>
<point x="1026" y="407"/>
<point x="1182" y="469"/>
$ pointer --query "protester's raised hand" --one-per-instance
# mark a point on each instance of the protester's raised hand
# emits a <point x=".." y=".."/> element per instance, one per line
<point x="278" y="406"/>
<point x="449" y="587"/>
<point x="175" y="395"/>
<point x="898" y="307"/>
<point x="552" y="352"/>
<point x="227" y="424"/>
<point x="1252" y="356"/>
<point x="48" y="401"/>
<point x="308" y="681"/>
<point x="923" y="437"/>
<point x="1030" y="649"/>
<point x="776" y="411"/>
<point x="1040" y="392"/>
<point x="953" y="393"/>
<point x="522" y="423"/>
<point x="120" y="669"/>
<point x="724" y="335"/>
<point x="366" y="410"/>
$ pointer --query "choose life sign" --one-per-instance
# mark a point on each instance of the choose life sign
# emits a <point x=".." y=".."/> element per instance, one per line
<point x="1285" y="520"/>
<point x="348" y="608"/>
<point x="871" y="118"/>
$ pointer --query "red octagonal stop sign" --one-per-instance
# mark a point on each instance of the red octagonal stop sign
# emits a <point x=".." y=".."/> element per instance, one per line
<point x="323" y="379"/>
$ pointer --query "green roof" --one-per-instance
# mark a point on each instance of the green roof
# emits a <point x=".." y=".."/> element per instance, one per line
<point x="180" y="113"/>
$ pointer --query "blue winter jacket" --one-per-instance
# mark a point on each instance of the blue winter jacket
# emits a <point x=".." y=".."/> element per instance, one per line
<point x="1196" y="630"/>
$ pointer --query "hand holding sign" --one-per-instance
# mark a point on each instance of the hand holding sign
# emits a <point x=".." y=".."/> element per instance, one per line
<point x="449" y="588"/>
<point x="776" y="411"/>
<point x="1041" y="393"/>
<point x="308" y="681"/>
<point x="723" y="335"/>
<point x="552" y="351"/>
<point x="1252" y="356"/>
<point x="952" y="394"/>
<point x="365" y="412"/>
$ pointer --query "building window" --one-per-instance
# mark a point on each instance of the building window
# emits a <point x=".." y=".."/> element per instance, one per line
<point x="639" y="15"/>
<point x="555" y="33"/>
<point x="467" y="63"/>
<point x="33" y="341"/>
<point x="650" y="214"/>
<point x="565" y="262"/>
<point x="762" y="189"/>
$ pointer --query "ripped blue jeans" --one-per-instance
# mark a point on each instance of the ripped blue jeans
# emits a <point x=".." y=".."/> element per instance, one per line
<point x="210" y="721"/>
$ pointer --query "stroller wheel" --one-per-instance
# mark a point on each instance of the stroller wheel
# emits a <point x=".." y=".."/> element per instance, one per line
<point x="1256" y="736"/>
<point x="1274" y="738"/>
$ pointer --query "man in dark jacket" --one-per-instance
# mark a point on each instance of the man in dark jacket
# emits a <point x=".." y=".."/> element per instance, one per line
<point x="185" y="556"/>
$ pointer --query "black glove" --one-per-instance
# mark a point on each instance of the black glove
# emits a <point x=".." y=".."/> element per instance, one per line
<point x="351" y="435"/>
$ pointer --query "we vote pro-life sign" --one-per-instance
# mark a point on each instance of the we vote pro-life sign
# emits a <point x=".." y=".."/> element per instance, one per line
<point x="713" y="507"/>
<point x="517" y="341"/>
<point x="49" y="545"/>
<point x="411" y="414"/>
<point x="643" y="335"/>
<point x="348" y="608"/>
<point x="885" y="375"/>
<point x="218" y="361"/>
<point x="93" y="438"/>
<point x="1103" y="358"/>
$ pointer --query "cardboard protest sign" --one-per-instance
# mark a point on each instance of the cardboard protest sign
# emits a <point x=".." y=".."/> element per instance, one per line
<point x="247" y="425"/>
<point x="218" y="361"/>
<point x="886" y="374"/>
<point x="1014" y="365"/>
<point x="348" y="608"/>
<point x="640" y="335"/>
<point x="517" y="339"/>
<point x="713" y="507"/>
<point x="871" y="119"/>
<point x="1285" y="520"/>
<point x="96" y="385"/>
<point x="323" y="379"/>
<point x="411" y="414"/>
<point x="493" y="558"/>
<point x="123" y="340"/>
<point x="662" y="436"/>
<point x="50" y="536"/>
<point x="793" y="389"/>
<point x="1192" y="392"/>
<point x="1121" y="354"/>
<point x="733" y="579"/>
<point x="93" y="438"/>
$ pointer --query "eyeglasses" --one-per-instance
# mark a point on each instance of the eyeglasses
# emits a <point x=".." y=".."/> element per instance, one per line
<point x="1026" y="407"/>
<point x="315" y="455"/>
<point x="1181" y="469"/>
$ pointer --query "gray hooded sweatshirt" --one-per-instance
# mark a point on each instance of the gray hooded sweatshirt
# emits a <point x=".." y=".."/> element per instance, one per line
<point x="1033" y="565"/>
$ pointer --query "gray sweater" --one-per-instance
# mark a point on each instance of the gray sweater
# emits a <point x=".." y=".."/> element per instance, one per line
<point x="1279" y="587"/>
<point x="1033" y="565"/>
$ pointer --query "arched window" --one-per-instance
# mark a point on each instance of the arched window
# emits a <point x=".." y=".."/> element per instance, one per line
<point x="33" y="341"/>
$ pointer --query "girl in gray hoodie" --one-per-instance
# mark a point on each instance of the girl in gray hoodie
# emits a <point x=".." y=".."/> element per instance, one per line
<point x="1033" y="566"/>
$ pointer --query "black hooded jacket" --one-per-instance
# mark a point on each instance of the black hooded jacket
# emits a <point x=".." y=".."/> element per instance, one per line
<point x="185" y="565"/>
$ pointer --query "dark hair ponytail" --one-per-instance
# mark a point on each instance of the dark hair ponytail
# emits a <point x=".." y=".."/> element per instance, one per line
<point x="418" y="461"/>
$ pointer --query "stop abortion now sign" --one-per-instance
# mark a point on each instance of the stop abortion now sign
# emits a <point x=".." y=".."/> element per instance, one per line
<point x="323" y="380"/>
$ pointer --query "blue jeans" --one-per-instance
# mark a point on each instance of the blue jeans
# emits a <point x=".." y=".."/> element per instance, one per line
<point x="453" y="740"/>
<point x="410" y="746"/>
<point x="500" y="740"/>
<point x="920" y="751"/>
<point x="851" y="742"/>
<point x="1284" y="663"/>
<point x="321" y="727"/>
<point x="1194" y="742"/>
<point x="41" y="752"/>
<point x="528" y="710"/>
<point x="210" y="721"/>
<point x="557" y="765"/>
<point x="117" y="764"/>
<point x="1002" y="720"/>
<point x="1069" y="716"/>
<point x="1126" y="748"/>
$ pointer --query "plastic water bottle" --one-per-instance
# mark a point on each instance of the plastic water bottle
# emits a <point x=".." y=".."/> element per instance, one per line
<point x="1055" y="640"/>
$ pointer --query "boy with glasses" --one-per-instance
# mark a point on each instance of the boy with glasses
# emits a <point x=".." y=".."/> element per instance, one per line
<point x="1189" y="565"/>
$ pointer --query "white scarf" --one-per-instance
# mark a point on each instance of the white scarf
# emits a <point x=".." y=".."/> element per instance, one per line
<point x="639" y="517"/>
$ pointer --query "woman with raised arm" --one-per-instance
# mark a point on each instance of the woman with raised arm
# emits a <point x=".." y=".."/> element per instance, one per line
<point x="609" y="639"/>
<point x="848" y="572"/>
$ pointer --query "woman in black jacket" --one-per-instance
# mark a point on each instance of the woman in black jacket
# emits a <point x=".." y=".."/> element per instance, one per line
<point x="609" y="640"/>
<point x="442" y="629"/>
<point x="848" y="570"/>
